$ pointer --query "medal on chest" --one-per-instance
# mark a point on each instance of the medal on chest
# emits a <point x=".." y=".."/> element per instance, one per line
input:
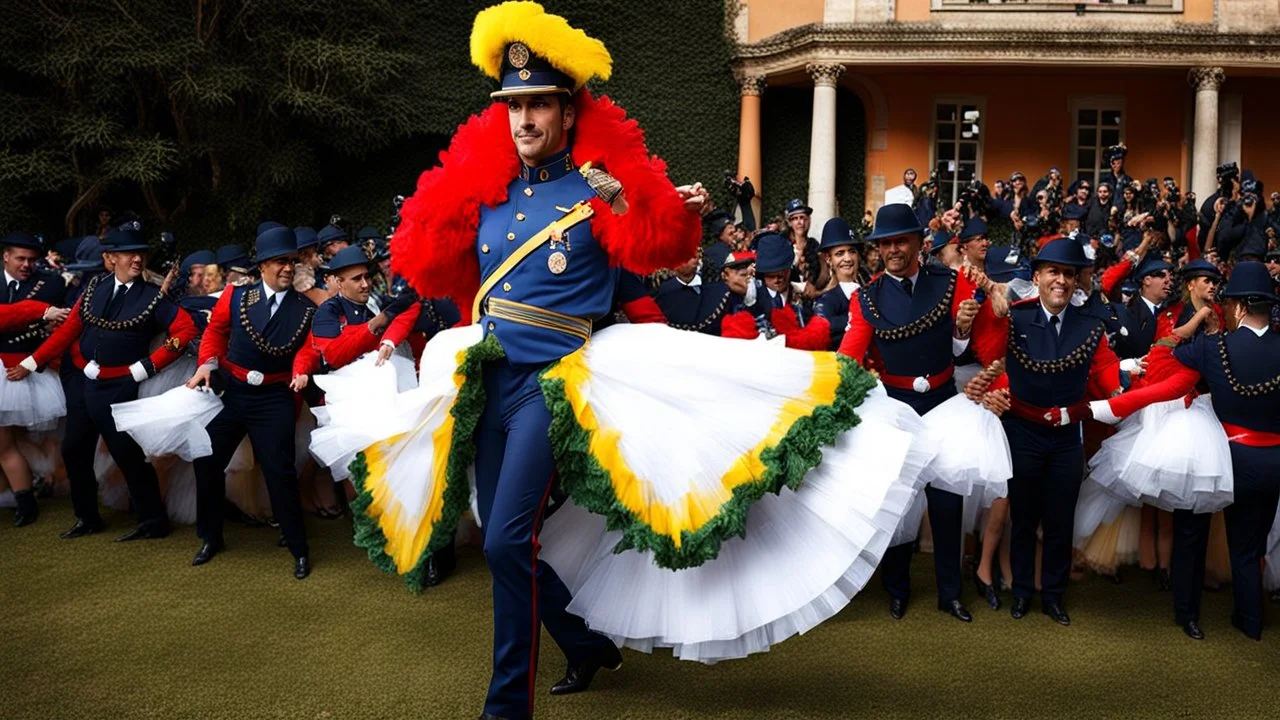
<point x="557" y="261"/>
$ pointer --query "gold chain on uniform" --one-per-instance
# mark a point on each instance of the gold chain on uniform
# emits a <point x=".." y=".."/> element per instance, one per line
<point x="1266" y="387"/>
<point x="35" y="329"/>
<point x="918" y="326"/>
<point x="706" y="322"/>
<point x="250" y="298"/>
<point x="1082" y="354"/>
<point x="89" y="318"/>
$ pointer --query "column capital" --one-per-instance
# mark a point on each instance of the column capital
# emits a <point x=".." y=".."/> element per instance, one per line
<point x="824" y="75"/>
<point x="752" y="84"/>
<point x="1206" y="78"/>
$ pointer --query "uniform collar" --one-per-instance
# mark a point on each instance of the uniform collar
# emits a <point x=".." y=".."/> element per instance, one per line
<point x="1256" y="331"/>
<point x="116" y="288"/>
<point x="10" y="279"/>
<point x="1153" y="307"/>
<point x="268" y="293"/>
<point x="849" y="288"/>
<point x="556" y="167"/>
<point x="695" y="282"/>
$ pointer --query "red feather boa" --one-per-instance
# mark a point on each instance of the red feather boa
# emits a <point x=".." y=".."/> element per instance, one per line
<point x="434" y="246"/>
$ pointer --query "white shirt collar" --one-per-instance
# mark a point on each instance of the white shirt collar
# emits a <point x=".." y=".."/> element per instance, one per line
<point x="913" y="278"/>
<point x="268" y="293"/>
<point x="1150" y="305"/>
<point x="695" y="282"/>
<point x="849" y="288"/>
<point x="1258" y="331"/>
<point x="1050" y="314"/>
<point x="10" y="279"/>
<point x="116" y="288"/>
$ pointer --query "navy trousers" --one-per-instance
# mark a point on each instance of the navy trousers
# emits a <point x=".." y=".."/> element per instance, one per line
<point x="1048" y="466"/>
<point x="1190" y="545"/>
<point x="514" y="478"/>
<point x="1249" y="519"/>
<point x="946" y="511"/>
<point x="88" y="418"/>
<point x="265" y="414"/>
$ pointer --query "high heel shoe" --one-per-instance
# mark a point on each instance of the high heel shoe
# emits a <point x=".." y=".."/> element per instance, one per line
<point x="987" y="591"/>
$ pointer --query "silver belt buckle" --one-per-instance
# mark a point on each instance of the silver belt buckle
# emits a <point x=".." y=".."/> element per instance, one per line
<point x="921" y="385"/>
<point x="253" y="377"/>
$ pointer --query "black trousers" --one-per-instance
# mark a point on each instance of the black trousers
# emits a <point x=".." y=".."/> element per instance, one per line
<point x="945" y="514"/>
<point x="1249" y="519"/>
<point x="1048" y="466"/>
<point x="265" y="414"/>
<point x="1190" y="545"/>
<point x="88" y="418"/>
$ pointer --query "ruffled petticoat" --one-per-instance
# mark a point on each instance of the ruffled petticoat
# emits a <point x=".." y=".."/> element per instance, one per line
<point x="35" y="402"/>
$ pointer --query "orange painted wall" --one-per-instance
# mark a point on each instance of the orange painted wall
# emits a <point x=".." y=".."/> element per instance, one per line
<point x="1258" y="146"/>
<point x="1193" y="11"/>
<point x="770" y="17"/>
<point x="1027" y="123"/>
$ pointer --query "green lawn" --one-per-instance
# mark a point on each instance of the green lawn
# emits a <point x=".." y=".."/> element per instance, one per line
<point x="95" y="629"/>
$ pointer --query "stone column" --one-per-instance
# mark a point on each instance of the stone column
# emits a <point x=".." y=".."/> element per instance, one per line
<point x="822" y="145"/>
<point x="1204" y="145"/>
<point x="749" y="163"/>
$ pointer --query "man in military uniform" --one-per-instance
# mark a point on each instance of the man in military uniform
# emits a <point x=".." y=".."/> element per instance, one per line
<point x="913" y="321"/>
<point x="1155" y="278"/>
<point x="330" y="240"/>
<point x="974" y="242"/>
<point x="1116" y="175"/>
<point x="1242" y="369"/>
<point x="840" y="249"/>
<point x="248" y="351"/>
<point x="1056" y="356"/>
<point x="29" y="304"/>
<point x="109" y="334"/>
<point x="539" y="293"/>
<point x="234" y="264"/>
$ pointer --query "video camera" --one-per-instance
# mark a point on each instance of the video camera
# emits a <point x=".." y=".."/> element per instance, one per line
<point x="1227" y="173"/>
<point x="973" y="199"/>
<point x="740" y="191"/>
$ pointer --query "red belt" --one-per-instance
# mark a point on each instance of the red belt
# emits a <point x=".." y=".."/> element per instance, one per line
<point x="242" y="374"/>
<point x="1034" y="413"/>
<point x="1251" y="438"/>
<point x="903" y="382"/>
<point x="105" y="372"/>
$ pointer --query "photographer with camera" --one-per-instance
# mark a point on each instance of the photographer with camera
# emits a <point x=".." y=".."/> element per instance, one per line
<point x="1237" y="226"/>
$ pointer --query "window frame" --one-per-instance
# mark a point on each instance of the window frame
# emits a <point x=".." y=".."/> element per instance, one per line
<point x="979" y="101"/>
<point x="1100" y="104"/>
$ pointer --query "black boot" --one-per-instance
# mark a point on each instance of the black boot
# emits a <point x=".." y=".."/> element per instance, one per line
<point x="28" y="510"/>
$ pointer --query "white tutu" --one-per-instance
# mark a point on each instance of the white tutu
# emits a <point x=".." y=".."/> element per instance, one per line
<point x="176" y="373"/>
<point x="1169" y="456"/>
<point x="7" y="500"/>
<point x="34" y="402"/>
<point x="1271" y="575"/>
<point x="972" y="450"/>
<point x="1095" y="507"/>
<point x="170" y="424"/>
<point x="805" y="554"/>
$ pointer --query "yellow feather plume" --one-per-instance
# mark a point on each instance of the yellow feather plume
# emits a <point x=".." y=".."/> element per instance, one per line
<point x="568" y="49"/>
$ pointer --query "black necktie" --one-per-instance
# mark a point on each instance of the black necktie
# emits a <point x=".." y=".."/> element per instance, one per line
<point x="117" y="301"/>
<point x="1057" y="329"/>
<point x="13" y="290"/>
<point x="1053" y="322"/>
<point x="907" y="286"/>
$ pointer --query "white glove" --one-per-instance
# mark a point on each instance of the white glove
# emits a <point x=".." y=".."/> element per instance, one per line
<point x="138" y="372"/>
<point x="1102" y="412"/>
<point x="1133" y="366"/>
<point x="92" y="369"/>
<point x="387" y="343"/>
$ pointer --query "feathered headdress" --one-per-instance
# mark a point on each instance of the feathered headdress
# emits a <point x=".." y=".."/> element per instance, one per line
<point x="536" y="35"/>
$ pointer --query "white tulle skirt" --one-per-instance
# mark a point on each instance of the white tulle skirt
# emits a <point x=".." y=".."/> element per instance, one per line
<point x="176" y="373"/>
<point x="972" y="451"/>
<point x="805" y="554"/>
<point x="362" y="397"/>
<point x="1095" y="507"/>
<point x="1271" y="575"/>
<point x="1170" y="456"/>
<point x="35" y="402"/>
<point x="170" y="424"/>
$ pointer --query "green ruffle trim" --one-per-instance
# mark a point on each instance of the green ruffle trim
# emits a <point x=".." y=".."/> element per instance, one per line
<point x="786" y="464"/>
<point x="457" y="494"/>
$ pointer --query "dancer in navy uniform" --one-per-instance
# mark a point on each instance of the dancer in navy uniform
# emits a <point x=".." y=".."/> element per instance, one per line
<point x="1056" y="356"/>
<point x="1242" y="369"/>
<point x="911" y="322"/>
<point x="108" y="334"/>
<point x="840" y="248"/>
<point x="248" y="350"/>
<point x="30" y="300"/>
<point x="691" y="304"/>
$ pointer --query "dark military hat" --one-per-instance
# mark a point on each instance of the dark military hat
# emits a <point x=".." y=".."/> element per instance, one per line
<point x="347" y="257"/>
<point x="22" y="240"/>
<point x="774" y="253"/>
<point x="1251" y="281"/>
<point x="276" y="242"/>
<point x="126" y="238"/>
<point x="836" y="233"/>
<point x="1061" y="251"/>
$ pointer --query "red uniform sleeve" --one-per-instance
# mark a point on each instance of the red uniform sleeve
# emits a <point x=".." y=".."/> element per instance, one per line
<point x="213" y="345"/>
<point x="61" y="339"/>
<point x="644" y="310"/>
<point x="965" y="290"/>
<point x="354" y="341"/>
<point x="857" y="339"/>
<point x="1104" y="372"/>
<point x="1114" y="275"/>
<point x="307" y="361"/>
<point x="182" y="330"/>
<point x="1176" y="381"/>
<point x="402" y="325"/>
<point x="21" y="314"/>
<point x="1165" y="320"/>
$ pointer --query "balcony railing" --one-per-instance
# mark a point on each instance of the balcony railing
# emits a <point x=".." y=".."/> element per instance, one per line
<point x="1080" y="7"/>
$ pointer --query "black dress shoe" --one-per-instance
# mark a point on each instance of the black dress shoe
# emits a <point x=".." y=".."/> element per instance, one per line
<point x="1021" y="606"/>
<point x="146" y="531"/>
<point x="1235" y="623"/>
<point x="1057" y="612"/>
<point x="27" y="510"/>
<point x="1192" y="629"/>
<point x="441" y="565"/>
<point x="206" y="552"/>
<point x="897" y="608"/>
<point x="956" y="610"/>
<point x="578" y="677"/>
<point x="987" y="592"/>
<point x="301" y="568"/>
<point x="82" y="528"/>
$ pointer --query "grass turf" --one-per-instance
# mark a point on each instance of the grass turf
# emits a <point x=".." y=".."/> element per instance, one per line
<point x="95" y="629"/>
